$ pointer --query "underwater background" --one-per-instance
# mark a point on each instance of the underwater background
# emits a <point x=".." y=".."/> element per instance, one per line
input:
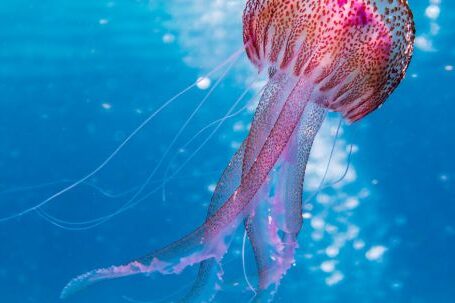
<point x="77" y="77"/>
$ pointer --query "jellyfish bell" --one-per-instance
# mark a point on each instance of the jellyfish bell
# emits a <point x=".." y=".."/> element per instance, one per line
<point x="341" y="55"/>
<point x="353" y="52"/>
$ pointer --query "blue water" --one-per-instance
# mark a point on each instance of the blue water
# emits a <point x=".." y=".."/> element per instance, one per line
<point x="76" y="77"/>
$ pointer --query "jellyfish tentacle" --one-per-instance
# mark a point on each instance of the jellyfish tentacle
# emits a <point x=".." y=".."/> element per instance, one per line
<point x="239" y="204"/>
<point x="327" y="167"/>
<point x="270" y="104"/>
<point x="296" y="166"/>
<point x="245" y="275"/>
<point x="277" y="220"/>
<point x="167" y="260"/>
<point x="210" y="273"/>
<point x="266" y="115"/>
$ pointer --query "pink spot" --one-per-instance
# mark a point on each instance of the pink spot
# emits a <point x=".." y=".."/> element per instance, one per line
<point x="361" y="13"/>
<point x="342" y="2"/>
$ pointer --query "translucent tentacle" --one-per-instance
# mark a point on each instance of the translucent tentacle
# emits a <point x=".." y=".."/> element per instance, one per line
<point x="277" y="220"/>
<point x="209" y="274"/>
<point x="327" y="167"/>
<point x="171" y="259"/>
<point x="239" y="204"/>
<point x="296" y="166"/>
<point x="245" y="276"/>
<point x="269" y="107"/>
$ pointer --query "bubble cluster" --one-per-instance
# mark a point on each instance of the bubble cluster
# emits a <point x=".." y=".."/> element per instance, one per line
<point x="425" y="40"/>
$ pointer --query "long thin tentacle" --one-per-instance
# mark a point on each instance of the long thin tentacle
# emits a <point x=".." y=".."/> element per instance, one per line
<point x="136" y="200"/>
<point x="245" y="276"/>
<point x="120" y="147"/>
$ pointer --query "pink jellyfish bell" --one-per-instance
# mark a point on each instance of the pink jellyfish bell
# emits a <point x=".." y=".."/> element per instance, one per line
<point x="353" y="53"/>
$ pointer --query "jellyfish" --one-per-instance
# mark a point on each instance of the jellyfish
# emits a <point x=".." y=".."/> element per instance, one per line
<point x="345" y="56"/>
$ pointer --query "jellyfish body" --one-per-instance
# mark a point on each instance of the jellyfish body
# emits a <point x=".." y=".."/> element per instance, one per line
<point x="339" y="55"/>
